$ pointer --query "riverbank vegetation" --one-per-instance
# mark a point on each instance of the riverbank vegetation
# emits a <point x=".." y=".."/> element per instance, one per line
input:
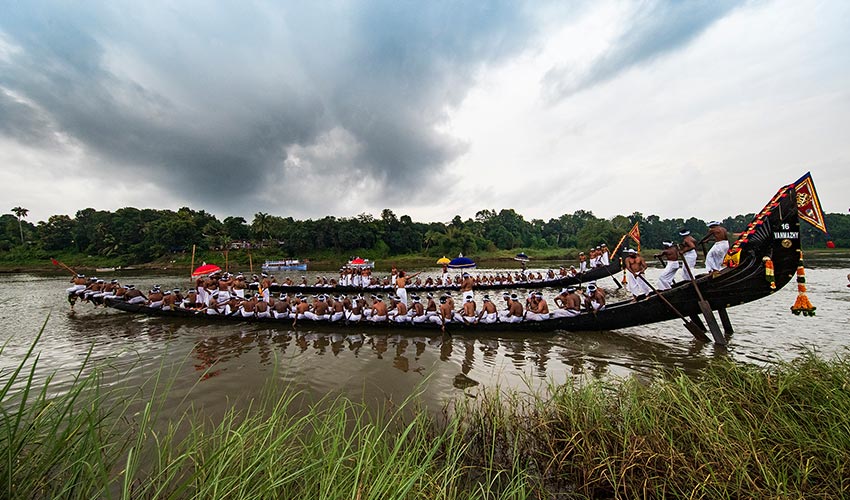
<point x="735" y="431"/>
<point x="131" y="236"/>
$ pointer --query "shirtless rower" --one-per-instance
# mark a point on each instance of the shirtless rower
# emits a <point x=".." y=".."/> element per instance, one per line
<point x="714" y="257"/>
<point x="467" y="314"/>
<point x="280" y="310"/>
<point x="670" y="255"/>
<point x="262" y="308"/>
<point x="399" y="312"/>
<point x="513" y="314"/>
<point x="488" y="312"/>
<point x="134" y="296"/>
<point x="417" y="310"/>
<point x="168" y="300"/>
<point x="155" y="297"/>
<point x="78" y="284"/>
<point x="688" y="249"/>
<point x="635" y="267"/>
<point x="594" y="298"/>
<point x="446" y="313"/>
<point x="337" y="308"/>
<point x="539" y="309"/>
<point x="570" y="304"/>
<point x="582" y="262"/>
<point x="379" y="310"/>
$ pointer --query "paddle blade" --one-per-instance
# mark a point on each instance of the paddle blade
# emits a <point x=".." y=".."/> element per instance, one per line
<point x="711" y="321"/>
<point x="696" y="331"/>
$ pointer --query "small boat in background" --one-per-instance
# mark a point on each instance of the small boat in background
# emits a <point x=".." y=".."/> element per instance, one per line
<point x="284" y="265"/>
<point x="521" y="257"/>
<point x="105" y="269"/>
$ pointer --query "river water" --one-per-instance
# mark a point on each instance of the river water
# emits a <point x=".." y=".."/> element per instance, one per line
<point x="214" y="366"/>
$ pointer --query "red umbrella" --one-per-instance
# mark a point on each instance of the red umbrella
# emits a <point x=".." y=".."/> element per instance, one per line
<point x="206" y="269"/>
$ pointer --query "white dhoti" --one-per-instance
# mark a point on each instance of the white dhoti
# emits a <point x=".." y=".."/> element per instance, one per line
<point x="401" y="318"/>
<point x="246" y="314"/>
<point x="337" y="316"/>
<point x="74" y="289"/>
<point x="266" y="294"/>
<point x="532" y="316"/>
<point x="488" y="318"/>
<point x="665" y="281"/>
<point x="511" y="319"/>
<point x="596" y="305"/>
<point x="419" y="319"/>
<point x="240" y="292"/>
<point x="377" y="319"/>
<point x="264" y="314"/>
<point x="155" y="304"/>
<point x="402" y="295"/>
<point x="691" y="258"/>
<point x="714" y="257"/>
<point x="636" y="285"/>
<point x="136" y="300"/>
<point x="355" y="317"/>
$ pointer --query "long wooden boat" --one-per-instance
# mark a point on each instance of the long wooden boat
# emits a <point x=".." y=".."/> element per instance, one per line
<point x="774" y="235"/>
<point x="604" y="272"/>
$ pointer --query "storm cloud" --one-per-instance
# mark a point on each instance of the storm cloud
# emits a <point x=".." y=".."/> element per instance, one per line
<point x="653" y="30"/>
<point x="202" y="101"/>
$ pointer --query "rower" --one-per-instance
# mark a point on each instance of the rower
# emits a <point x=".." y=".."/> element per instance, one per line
<point x="467" y="313"/>
<point x="262" y="308"/>
<point x="134" y="296"/>
<point x="338" y="308"/>
<point x="379" y="310"/>
<point x="714" y="257"/>
<point x="417" y="310"/>
<point x="635" y="267"/>
<point x="582" y="262"/>
<point x="539" y="309"/>
<point x="168" y="300"/>
<point x="570" y="304"/>
<point x="280" y="310"/>
<point x="688" y="248"/>
<point x="670" y="258"/>
<point x="398" y="313"/>
<point x="155" y="297"/>
<point x="594" y="298"/>
<point x="488" y="312"/>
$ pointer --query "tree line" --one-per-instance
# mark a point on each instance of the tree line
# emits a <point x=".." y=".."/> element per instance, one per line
<point x="137" y="235"/>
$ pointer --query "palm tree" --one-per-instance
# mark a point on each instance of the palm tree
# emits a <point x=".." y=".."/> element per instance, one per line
<point x="21" y="212"/>
<point x="260" y="225"/>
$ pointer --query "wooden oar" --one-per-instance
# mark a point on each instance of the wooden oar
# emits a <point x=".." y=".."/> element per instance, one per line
<point x="616" y="281"/>
<point x="692" y="327"/>
<point x="60" y="264"/>
<point x="705" y="307"/>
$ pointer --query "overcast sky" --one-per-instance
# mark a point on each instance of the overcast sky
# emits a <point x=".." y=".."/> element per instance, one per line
<point x="432" y="108"/>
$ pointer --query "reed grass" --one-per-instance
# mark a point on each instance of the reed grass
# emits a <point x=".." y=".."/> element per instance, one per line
<point x="737" y="431"/>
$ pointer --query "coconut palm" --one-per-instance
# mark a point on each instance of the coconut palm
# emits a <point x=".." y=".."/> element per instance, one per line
<point x="21" y="212"/>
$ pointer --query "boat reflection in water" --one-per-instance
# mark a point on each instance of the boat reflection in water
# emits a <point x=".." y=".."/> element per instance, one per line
<point x="511" y="360"/>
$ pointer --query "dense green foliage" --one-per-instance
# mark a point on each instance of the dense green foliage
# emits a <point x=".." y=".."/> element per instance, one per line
<point x="736" y="431"/>
<point x="130" y="235"/>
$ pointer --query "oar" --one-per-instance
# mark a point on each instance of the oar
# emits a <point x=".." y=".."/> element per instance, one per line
<point x="60" y="264"/>
<point x="705" y="307"/>
<point x="692" y="327"/>
<point x="616" y="281"/>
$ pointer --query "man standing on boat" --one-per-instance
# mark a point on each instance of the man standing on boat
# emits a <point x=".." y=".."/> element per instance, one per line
<point x="582" y="262"/>
<point x="401" y="283"/>
<point x="714" y="257"/>
<point x="670" y="255"/>
<point x="688" y="248"/>
<point x="635" y="267"/>
<point x="466" y="286"/>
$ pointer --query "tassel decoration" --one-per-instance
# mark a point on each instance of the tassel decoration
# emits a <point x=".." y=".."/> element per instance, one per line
<point x="802" y="305"/>
<point x="768" y="272"/>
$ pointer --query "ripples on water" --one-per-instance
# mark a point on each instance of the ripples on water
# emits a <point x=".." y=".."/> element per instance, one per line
<point x="221" y="364"/>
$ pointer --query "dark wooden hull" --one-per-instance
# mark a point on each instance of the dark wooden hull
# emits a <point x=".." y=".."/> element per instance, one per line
<point x="607" y="272"/>
<point x="775" y="234"/>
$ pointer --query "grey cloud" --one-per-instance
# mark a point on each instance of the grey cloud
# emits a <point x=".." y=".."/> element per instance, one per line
<point x="253" y="83"/>
<point x="654" y="31"/>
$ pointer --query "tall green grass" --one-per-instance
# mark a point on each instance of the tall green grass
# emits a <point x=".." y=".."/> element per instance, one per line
<point x="735" y="432"/>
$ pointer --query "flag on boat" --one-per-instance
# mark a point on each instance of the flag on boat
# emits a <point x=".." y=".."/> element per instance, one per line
<point x="634" y="234"/>
<point x="808" y="205"/>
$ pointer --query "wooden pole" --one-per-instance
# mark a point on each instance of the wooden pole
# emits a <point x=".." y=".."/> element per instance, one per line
<point x="250" y="262"/>
<point x="62" y="265"/>
<point x="226" y="264"/>
<point x="705" y="307"/>
<point x="193" y="263"/>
